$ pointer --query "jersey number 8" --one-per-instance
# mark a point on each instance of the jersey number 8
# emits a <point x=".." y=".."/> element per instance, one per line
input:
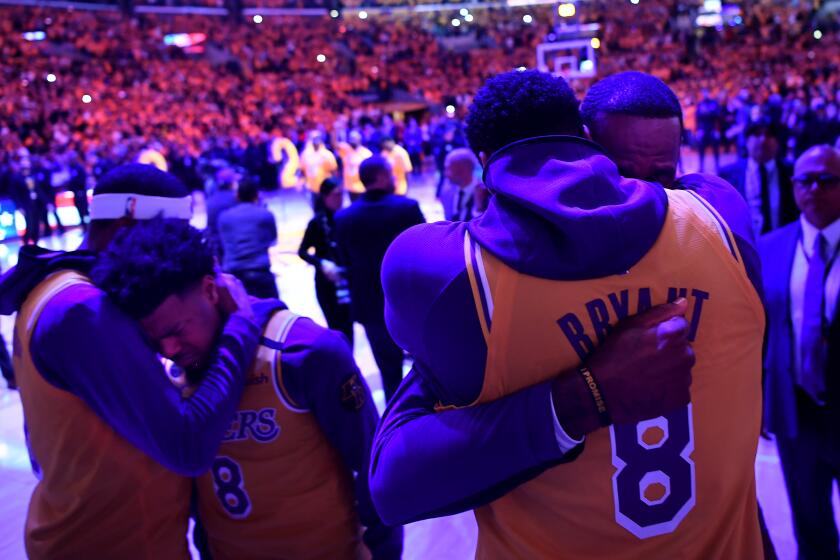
<point x="230" y="489"/>
<point x="654" y="484"/>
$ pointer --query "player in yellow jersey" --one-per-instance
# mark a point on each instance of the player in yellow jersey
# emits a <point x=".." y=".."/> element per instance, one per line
<point x="400" y="163"/>
<point x="566" y="249"/>
<point x="352" y="154"/>
<point x="290" y="478"/>
<point x="317" y="162"/>
<point x="111" y="441"/>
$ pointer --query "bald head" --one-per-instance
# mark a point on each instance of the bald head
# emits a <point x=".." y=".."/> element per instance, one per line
<point x="816" y="185"/>
<point x="460" y="167"/>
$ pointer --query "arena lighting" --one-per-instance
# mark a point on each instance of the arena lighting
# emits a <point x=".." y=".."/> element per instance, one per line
<point x="521" y="69"/>
<point x="184" y="40"/>
<point x="450" y="109"/>
<point x="527" y="18"/>
<point x="587" y="66"/>
<point x="86" y="98"/>
<point x="566" y="10"/>
<point x="334" y="14"/>
<point x="363" y="14"/>
<point x="321" y="58"/>
<point x="34" y="36"/>
<point x="519" y="3"/>
<point x="634" y="1"/>
<point x="468" y="18"/>
<point x="595" y="42"/>
<point x="51" y="78"/>
<point x="817" y="34"/>
<point x="258" y="18"/>
<point x="464" y="12"/>
<point x="456" y="22"/>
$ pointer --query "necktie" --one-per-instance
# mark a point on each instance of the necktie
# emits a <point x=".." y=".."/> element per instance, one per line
<point x="813" y="344"/>
<point x="459" y="205"/>
<point x="766" y="213"/>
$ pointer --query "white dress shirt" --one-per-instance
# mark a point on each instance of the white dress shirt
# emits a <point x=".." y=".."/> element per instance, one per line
<point x="752" y="190"/>
<point x="799" y="275"/>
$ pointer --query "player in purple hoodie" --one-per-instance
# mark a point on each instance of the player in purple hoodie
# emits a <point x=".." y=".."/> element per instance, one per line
<point x="561" y="212"/>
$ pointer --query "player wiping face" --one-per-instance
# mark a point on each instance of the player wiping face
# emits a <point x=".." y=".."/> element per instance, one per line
<point x="103" y="420"/>
<point x="301" y="433"/>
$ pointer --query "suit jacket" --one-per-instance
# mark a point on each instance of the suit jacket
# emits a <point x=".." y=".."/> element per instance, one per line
<point x="777" y="250"/>
<point x="247" y="231"/>
<point x="363" y="232"/>
<point x="736" y="175"/>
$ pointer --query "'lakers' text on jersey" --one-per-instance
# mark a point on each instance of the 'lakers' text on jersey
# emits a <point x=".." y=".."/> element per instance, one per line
<point x="277" y="488"/>
<point x="678" y="486"/>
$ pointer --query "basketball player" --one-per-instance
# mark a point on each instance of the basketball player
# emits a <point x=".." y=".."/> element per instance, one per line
<point x="638" y="121"/>
<point x="352" y="154"/>
<point x="566" y="248"/>
<point x="317" y="162"/>
<point x="102" y="418"/>
<point x="292" y="467"/>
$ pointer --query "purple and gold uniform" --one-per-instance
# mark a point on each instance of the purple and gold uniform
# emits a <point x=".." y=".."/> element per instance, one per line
<point x="141" y="512"/>
<point x="282" y="483"/>
<point x="663" y="480"/>
<point x="493" y="309"/>
<point x="102" y="415"/>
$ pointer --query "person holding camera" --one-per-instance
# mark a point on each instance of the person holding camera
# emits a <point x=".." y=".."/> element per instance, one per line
<point x="318" y="248"/>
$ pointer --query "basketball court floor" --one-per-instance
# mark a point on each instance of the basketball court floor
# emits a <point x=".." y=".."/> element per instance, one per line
<point x="449" y="538"/>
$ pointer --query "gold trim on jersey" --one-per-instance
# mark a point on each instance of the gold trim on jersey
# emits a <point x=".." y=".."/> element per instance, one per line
<point x="471" y="273"/>
<point x="285" y="327"/>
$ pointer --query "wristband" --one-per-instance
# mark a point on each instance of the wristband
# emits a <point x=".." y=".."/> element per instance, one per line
<point x="595" y="390"/>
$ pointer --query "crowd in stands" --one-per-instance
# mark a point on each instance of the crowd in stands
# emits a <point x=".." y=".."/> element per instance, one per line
<point x="103" y="87"/>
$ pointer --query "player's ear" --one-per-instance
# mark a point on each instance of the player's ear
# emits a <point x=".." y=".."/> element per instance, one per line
<point x="210" y="289"/>
<point x="484" y="158"/>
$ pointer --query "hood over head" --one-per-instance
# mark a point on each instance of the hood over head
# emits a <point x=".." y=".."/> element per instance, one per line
<point x="561" y="210"/>
<point x="34" y="264"/>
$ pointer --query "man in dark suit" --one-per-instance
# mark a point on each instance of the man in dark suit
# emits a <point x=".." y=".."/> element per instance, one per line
<point x="763" y="179"/>
<point x="802" y="366"/>
<point x="364" y="231"/>
<point x="463" y="195"/>
<point x="246" y="232"/>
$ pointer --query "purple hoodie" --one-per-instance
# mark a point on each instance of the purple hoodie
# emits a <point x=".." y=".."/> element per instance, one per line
<point x="560" y="211"/>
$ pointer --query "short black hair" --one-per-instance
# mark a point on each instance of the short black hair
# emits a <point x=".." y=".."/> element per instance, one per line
<point x="521" y="104"/>
<point x="634" y="94"/>
<point x="328" y="185"/>
<point x="142" y="179"/>
<point x="151" y="261"/>
<point x="248" y="191"/>
<point x="763" y="125"/>
<point x="370" y="169"/>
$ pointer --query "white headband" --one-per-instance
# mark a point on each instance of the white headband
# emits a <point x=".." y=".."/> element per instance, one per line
<point x="111" y="206"/>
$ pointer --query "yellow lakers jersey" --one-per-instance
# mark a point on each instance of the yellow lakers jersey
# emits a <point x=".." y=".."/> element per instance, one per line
<point x="352" y="158"/>
<point x="317" y="165"/>
<point x="98" y="496"/>
<point x="277" y="489"/>
<point x="678" y="486"/>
